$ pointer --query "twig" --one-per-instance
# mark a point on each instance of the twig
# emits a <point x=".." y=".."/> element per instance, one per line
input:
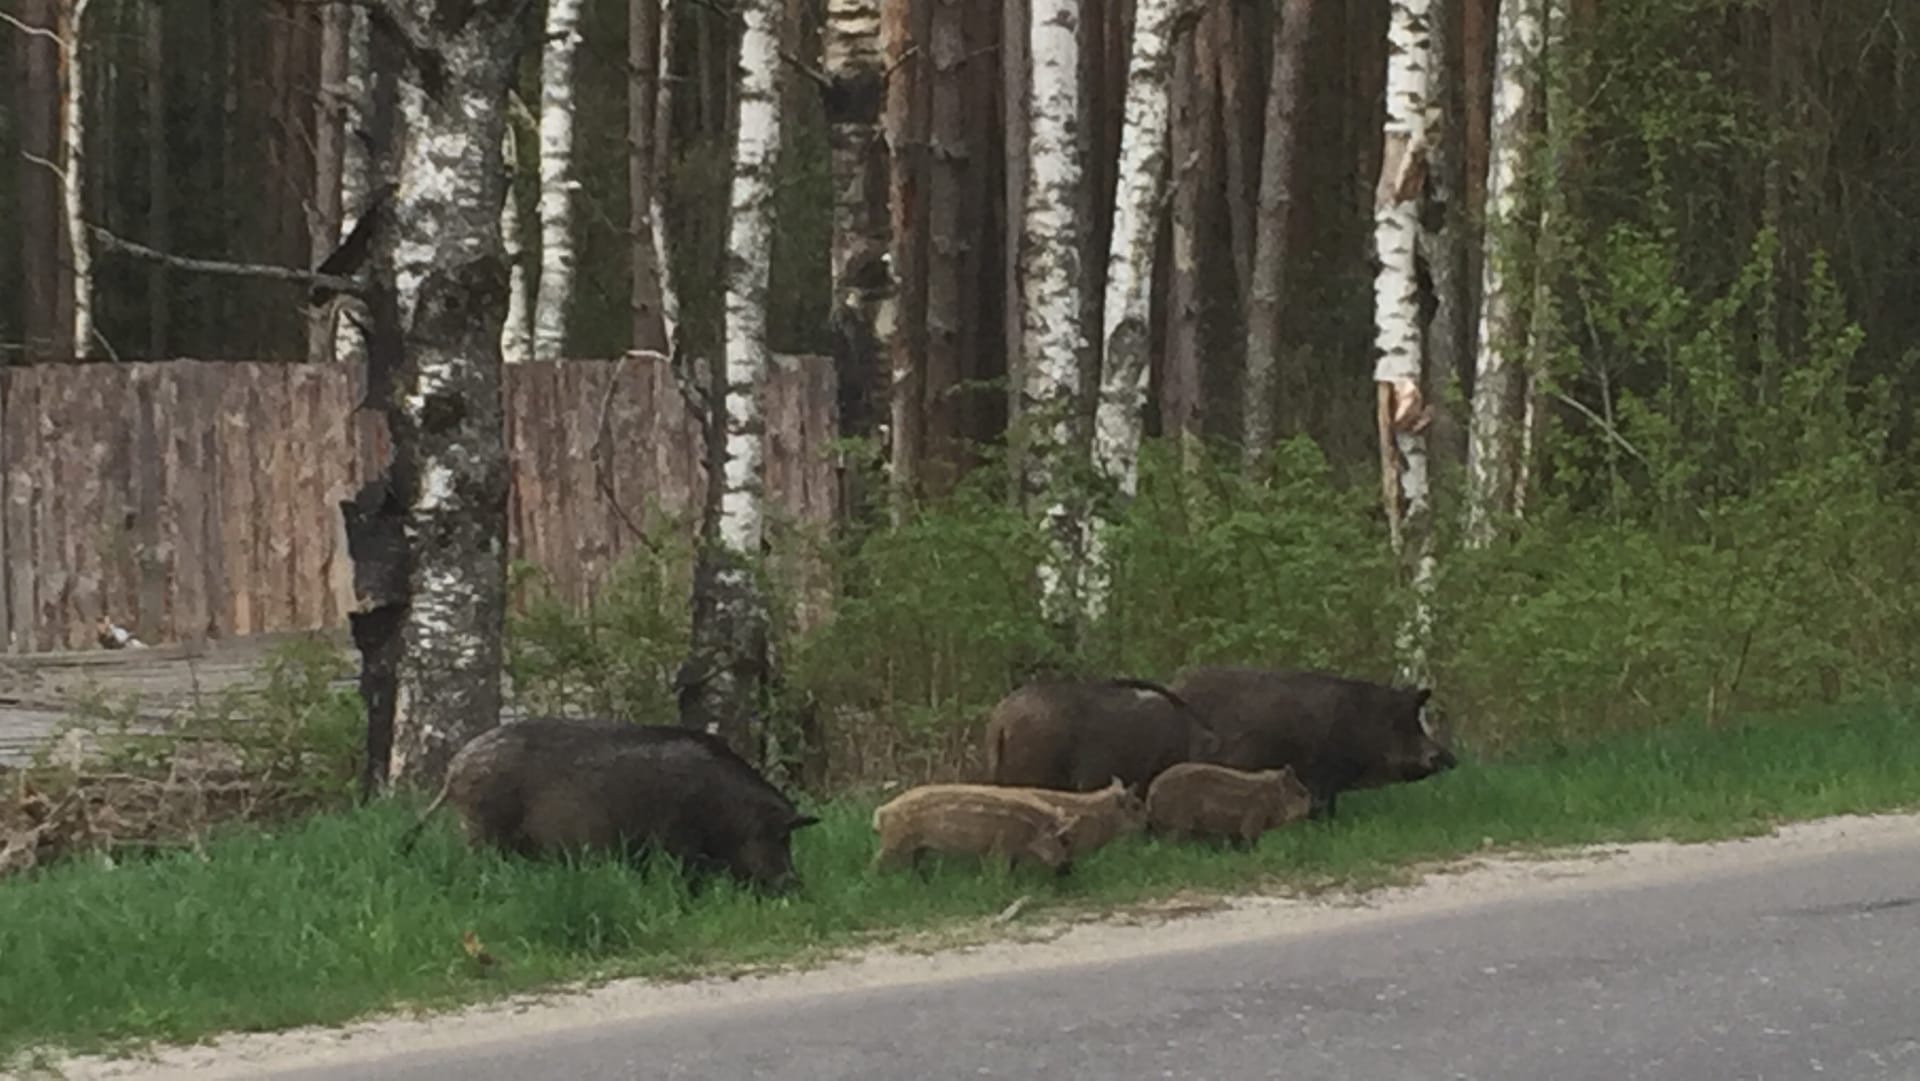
<point x="1609" y="430"/>
<point x="33" y="31"/>
<point x="814" y="75"/>
<point x="49" y="165"/>
<point x="110" y="242"/>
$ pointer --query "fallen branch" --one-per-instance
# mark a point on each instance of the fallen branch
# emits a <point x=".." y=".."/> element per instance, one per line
<point x="110" y="242"/>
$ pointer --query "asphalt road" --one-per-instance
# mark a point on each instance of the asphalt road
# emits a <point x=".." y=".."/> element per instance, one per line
<point x="1809" y="967"/>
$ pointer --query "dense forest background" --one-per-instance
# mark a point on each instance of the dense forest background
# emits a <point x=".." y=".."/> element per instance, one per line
<point x="1722" y="338"/>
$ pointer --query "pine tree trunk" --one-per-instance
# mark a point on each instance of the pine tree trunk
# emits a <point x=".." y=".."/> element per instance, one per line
<point x="1055" y="336"/>
<point x="46" y="323"/>
<point x="1016" y="105"/>
<point x="862" y="314"/>
<point x="435" y="366"/>
<point x="949" y="166"/>
<point x="1195" y="125"/>
<point x="1399" y="371"/>
<point x="329" y="135"/>
<point x="905" y="29"/>
<point x="725" y="681"/>
<point x="554" y="299"/>
<point x="159" y="177"/>
<point x="73" y="142"/>
<point x="1265" y="289"/>
<point x="644" y="302"/>
<point x="1499" y="375"/>
<point x="1447" y="348"/>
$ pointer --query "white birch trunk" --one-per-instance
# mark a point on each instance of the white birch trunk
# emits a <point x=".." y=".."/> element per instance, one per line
<point x="516" y="337"/>
<point x="356" y="174"/>
<point x="73" y="135"/>
<point x="448" y="277"/>
<point x="1492" y="443"/>
<point x="1055" y="332"/>
<point x="1125" y="335"/>
<point x="1398" y="369"/>
<point x="663" y="173"/>
<point x="749" y="251"/>
<point x="556" y="179"/>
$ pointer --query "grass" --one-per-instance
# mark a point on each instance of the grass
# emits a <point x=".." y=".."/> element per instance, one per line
<point x="322" y="922"/>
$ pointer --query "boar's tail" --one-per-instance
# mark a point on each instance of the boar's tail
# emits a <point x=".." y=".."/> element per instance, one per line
<point x="1149" y="685"/>
<point x="412" y="835"/>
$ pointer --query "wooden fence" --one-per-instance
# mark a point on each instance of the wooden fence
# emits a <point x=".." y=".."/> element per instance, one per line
<point x="191" y="499"/>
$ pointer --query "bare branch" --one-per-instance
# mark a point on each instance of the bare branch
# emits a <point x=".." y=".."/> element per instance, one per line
<point x="44" y="163"/>
<point x="34" y="31"/>
<point x="814" y="75"/>
<point x="1607" y="429"/>
<point x="110" y="242"/>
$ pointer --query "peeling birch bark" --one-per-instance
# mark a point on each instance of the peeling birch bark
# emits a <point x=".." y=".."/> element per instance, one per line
<point x="1120" y="412"/>
<point x="73" y="136"/>
<point x="1492" y="449"/>
<point x="1398" y="369"/>
<point x="1055" y="331"/>
<point x="439" y="304"/>
<point x="516" y="336"/>
<point x="557" y="184"/>
<point x="356" y="173"/>
<point x="724" y="682"/>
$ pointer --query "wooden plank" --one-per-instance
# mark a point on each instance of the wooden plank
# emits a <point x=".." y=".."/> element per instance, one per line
<point x="149" y="492"/>
<point x="23" y="405"/>
<point x="189" y="421"/>
<point x="237" y="504"/>
<point x="309" y="502"/>
<point x="586" y="510"/>
<point x="217" y="576"/>
<point x="6" y="517"/>
<point x="53" y="559"/>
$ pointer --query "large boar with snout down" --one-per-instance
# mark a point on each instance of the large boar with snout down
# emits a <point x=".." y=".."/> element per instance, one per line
<point x="1078" y="736"/>
<point x="543" y="786"/>
<point x="1336" y="733"/>
<point x="1199" y="801"/>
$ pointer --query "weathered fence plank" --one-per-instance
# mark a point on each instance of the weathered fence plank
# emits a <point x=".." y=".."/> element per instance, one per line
<point x="190" y="500"/>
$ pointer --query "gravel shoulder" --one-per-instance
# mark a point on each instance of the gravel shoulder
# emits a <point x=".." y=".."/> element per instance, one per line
<point x="1182" y="924"/>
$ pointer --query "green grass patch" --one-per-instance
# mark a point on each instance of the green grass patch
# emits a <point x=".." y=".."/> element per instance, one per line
<point x="323" y="922"/>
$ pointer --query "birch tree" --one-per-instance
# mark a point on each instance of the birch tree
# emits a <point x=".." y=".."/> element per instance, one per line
<point x="1492" y="449"/>
<point x="1398" y="374"/>
<point x="434" y="364"/>
<point x="356" y="171"/>
<point x="516" y="336"/>
<point x="1055" y="332"/>
<point x="73" y="139"/>
<point x="330" y="135"/>
<point x="862" y="315"/>
<point x="723" y="684"/>
<point x="1265" y="287"/>
<point x="557" y="183"/>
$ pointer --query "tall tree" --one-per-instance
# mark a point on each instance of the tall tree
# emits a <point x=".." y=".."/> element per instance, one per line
<point x="904" y="31"/>
<point x="159" y="174"/>
<point x="1016" y="105"/>
<point x="1193" y="144"/>
<point x="725" y="681"/>
<point x="662" y="154"/>
<point x="1125" y="338"/>
<point x="46" y="301"/>
<point x="516" y="337"/>
<point x="557" y="184"/>
<point x="863" y="296"/>
<point x="73" y="143"/>
<point x="1292" y="23"/>
<point x="330" y="111"/>
<point x="434" y="365"/>
<point x="1398" y="372"/>
<point x="1056" y="335"/>
<point x="644" y="300"/>
<point x="356" y="170"/>
<point x="949" y="169"/>
<point x="1493" y="450"/>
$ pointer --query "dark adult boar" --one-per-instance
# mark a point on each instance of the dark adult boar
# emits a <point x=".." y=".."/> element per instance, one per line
<point x="542" y="786"/>
<point x="1337" y="733"/>
<point x="1079" y="736"/>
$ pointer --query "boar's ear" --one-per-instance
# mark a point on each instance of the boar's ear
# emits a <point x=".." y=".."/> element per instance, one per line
<point x="802" y="822"/>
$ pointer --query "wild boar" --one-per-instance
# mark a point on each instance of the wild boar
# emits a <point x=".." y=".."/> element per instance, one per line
<point x="1078" y="736"/>
<point x="1337" y="733"/>
<point x="547" y="785"/>
<point x="1201" y="801"/>
<point x="1095" y="818"/>
<point x="972" y="820"/>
